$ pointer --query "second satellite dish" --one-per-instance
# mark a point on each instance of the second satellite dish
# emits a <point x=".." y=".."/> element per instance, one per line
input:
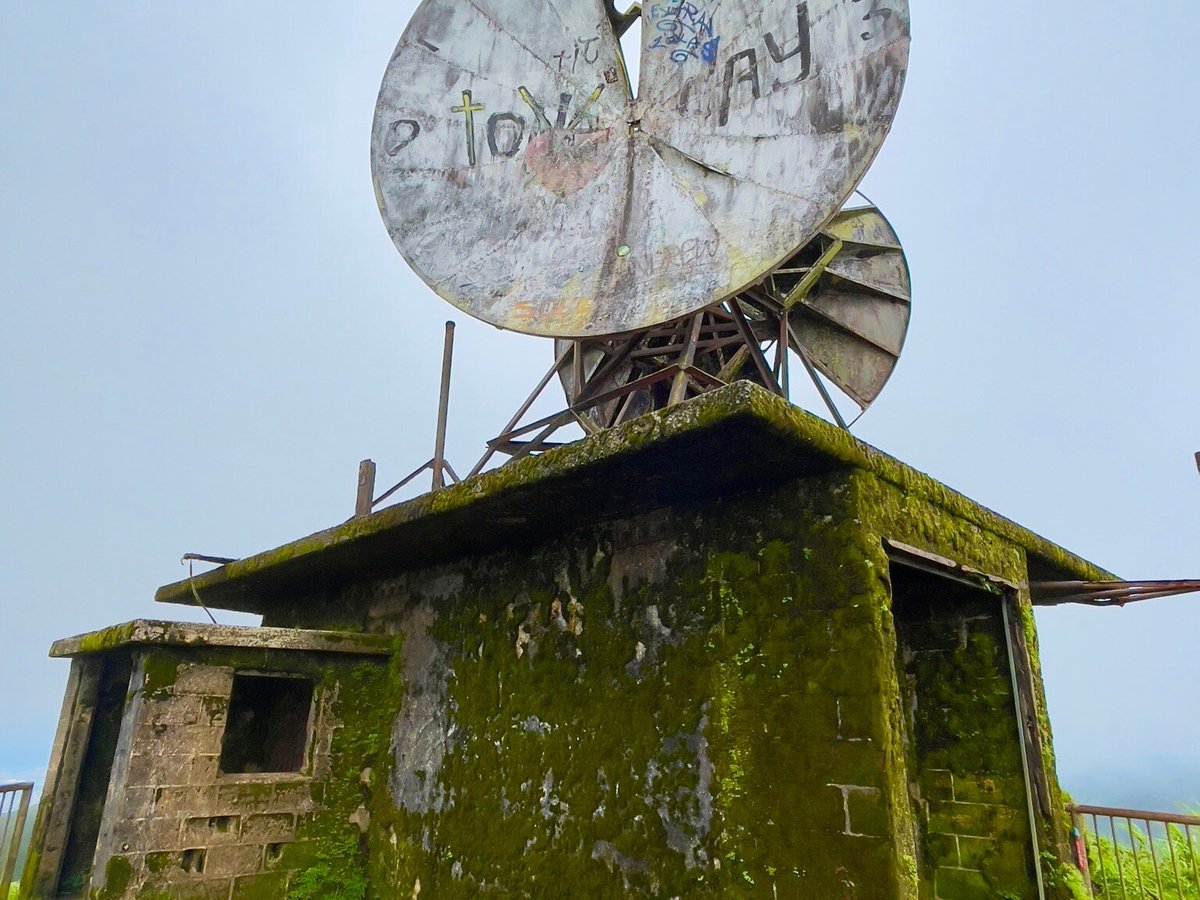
<point x="523" y="182"/>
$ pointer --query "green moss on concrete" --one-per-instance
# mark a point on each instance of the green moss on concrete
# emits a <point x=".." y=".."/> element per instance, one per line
<point x="117" y="875"/>
<point x="160" y="671"/>
<point x="801" y="441"/>
<point x="160" y="861"/>
<point x="337" y="871"/>
<point x="108" y="638"/>
<point x="630" y="741"/>
<point x="639" y="749"/>
<point x="948" y="531"/>
<point x="331" y="853"/>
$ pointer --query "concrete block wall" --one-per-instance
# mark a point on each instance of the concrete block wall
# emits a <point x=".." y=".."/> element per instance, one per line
<point x="964" y="744"/>
<point x="172" y="817"/>
<point x="691" y="699"/>
<point x="666" y="662"/>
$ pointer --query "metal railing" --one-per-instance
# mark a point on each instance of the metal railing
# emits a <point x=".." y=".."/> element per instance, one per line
<point x="14" y="808"/>
<point x="1137" y="855"/>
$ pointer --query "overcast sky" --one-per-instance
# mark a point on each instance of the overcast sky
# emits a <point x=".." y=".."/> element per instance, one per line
<point x="205" y="326"/>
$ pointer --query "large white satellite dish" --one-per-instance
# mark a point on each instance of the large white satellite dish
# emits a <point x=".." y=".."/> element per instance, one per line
<point x="523" y="182"/>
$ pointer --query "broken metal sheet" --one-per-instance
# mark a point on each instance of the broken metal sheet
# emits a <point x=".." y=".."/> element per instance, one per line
<point x="521" y="180"/>
<point x="867" y="317"/>
<point x="853" y="324"/>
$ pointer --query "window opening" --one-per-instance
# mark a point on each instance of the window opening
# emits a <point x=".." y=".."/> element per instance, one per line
<point x="267" y="726"/>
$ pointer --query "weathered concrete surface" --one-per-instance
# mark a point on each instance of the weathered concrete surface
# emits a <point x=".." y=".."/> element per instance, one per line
<point x="702" y="698"/>
<point x="164" y="819"/>
<point x="182" y="634"/>
<point x="662" y="662"/>
<point x="733" y="439"/>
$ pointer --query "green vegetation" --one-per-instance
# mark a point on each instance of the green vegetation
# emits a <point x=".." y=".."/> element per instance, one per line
<point x="1136" y="868"/>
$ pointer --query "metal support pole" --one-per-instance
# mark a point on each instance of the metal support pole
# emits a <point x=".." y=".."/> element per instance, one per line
<point x="366" y="489"/>
<point x="1006" y="602"/>
<point x="439" y="449"/>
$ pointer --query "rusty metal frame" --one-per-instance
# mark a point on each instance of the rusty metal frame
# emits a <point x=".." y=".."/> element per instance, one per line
<point x="14" y="808"/>
<point x="1080" y="815"/>
<point x="690" y="356"/>
<point x="365" y="500"/>
<point x="1107" y="593"/>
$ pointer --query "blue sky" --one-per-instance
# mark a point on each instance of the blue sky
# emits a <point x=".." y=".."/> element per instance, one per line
<point x="205" y="325"/>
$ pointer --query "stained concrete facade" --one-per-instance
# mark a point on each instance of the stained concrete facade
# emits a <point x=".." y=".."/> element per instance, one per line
<point x="724" y="650"/>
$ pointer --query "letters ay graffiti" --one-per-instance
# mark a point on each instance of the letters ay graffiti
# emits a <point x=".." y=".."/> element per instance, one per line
<point x="686" y="30"/>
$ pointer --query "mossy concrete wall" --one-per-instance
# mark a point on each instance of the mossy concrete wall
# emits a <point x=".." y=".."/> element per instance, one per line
<point x="665" y="662"/>
<point x="694" y="701"/>
<point x="704" y="699"/>
<point x="170" y="823"/>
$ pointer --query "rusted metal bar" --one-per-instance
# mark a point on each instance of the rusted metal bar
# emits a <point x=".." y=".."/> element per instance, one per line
<point x="402" y="482"/>
<point x="190" y="558"/>
<point x="782" y="350"/>
<point x="1120" y="813"/>
<point x="800" y="291"/>
<point x="1137" y="865"/>
<point x="679" y="384"/>
<point x="1107" y="593"/>
<point x="1153" y="854"/>
<point x="522" y="409"/>
<point x="1125" y="848"/>
<point x="1096" y="837"/>
<point x="1024" y="720"/>
<point x="708" y="382"/>
<point x="525" y="429"/>
<point x="203" y="557"/>
<point x="18" y="796"/>
<point x="1171" y="849"/>
<point x="816" y="379"/>
<point x="1112" y="828"/>
<point x="673" y="350"/>
<point x="730" y="370"/>
<point x="601" y="375"/>
<point x="366" y="489"/>
<point x="589" y="427"/>
<point x="439" y="446"/>
<point x="623" y="410"/>
<point x="1187" y="832"/>
<point x="630" y="387"/>
<point x="752" y="343"/>
<point x="539" y="441"/>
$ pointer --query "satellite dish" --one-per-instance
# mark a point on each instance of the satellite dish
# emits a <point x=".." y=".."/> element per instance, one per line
<point x="523" y="182"/>
<point x="842" y="303"/>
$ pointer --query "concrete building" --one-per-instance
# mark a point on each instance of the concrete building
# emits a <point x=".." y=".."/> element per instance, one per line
<point x="722" y="650"/>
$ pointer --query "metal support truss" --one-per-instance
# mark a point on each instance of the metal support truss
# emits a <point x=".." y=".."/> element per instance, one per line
<point x="611" y="380"/>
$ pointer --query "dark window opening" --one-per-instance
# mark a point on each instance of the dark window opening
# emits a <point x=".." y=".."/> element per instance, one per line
<point x="267" y="726"/>
<point x="274" y="853"/>
<point x="192" y="861"/>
